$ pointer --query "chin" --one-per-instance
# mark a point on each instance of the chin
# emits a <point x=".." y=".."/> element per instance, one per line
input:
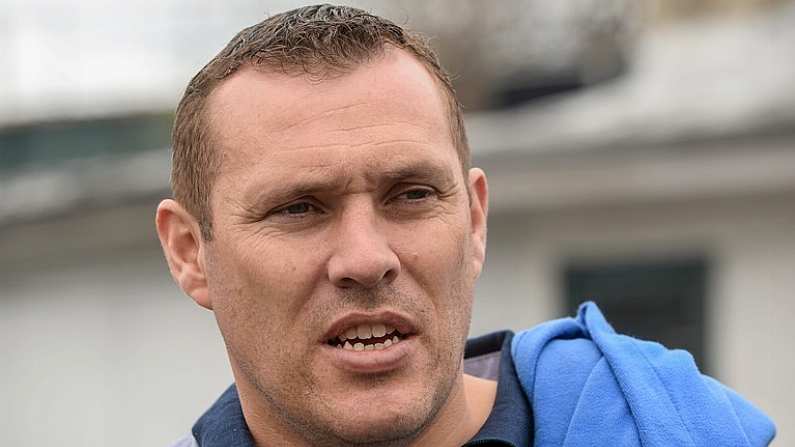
<point x="384" y="410"/>
<point x="382" y="428"/>
<point x="384" y="416"/>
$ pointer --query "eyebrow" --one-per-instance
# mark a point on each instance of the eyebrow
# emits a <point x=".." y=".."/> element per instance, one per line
<point x="288" y="188"/>
<point x="281" y="190"/>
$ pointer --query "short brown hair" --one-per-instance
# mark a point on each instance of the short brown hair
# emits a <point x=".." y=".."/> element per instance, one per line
<point x="313" y="40"/>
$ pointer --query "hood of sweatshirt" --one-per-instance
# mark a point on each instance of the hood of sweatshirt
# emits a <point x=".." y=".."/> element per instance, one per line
<point x="590" y="386"/>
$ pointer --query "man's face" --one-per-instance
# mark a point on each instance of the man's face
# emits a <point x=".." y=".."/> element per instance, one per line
<point x="341" y="220"/>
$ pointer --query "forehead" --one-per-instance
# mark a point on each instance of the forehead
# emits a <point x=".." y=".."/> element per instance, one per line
<point x="389" y="107"/>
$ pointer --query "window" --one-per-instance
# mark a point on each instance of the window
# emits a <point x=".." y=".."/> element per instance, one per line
<point x="45" y="144"/>
<point x="662" y="301"/>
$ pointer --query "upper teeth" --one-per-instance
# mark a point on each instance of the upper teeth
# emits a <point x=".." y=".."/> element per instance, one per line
<point x="366" y="331"/>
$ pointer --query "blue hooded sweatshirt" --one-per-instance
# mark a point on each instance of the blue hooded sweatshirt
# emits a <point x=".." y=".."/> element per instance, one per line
<point x="589" y="386"/>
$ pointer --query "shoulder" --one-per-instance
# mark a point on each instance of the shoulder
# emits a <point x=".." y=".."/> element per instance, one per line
<point x="589" y="384"/>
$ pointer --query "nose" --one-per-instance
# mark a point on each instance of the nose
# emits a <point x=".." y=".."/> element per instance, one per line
<point x="362" y="256"/>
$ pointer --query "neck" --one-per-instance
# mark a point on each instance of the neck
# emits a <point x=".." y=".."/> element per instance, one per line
<point x="464" y="414"/>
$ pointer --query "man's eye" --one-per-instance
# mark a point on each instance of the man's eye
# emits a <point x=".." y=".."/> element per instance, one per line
<point x="296" y="209"/>
<point x="415" y="194"/>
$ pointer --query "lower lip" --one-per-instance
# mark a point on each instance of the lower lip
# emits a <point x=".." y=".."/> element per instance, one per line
<point x="371" y="362"/>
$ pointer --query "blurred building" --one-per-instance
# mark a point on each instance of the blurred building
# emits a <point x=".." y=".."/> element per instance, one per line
<point x="650" y="168"/>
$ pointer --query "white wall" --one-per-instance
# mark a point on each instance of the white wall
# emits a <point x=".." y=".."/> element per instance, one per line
<point x="105" y="354"/>
<point x="99" y="347"/>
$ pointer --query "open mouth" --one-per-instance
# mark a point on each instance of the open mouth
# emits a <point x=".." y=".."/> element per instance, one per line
<point x="367" y="337"/>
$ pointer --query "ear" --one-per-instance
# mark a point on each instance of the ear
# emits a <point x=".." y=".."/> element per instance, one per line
<point x="180" y="237"/>
<point x="478" y="212"/>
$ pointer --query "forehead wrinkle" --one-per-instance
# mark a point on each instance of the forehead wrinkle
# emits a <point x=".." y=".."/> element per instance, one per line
<point x="372" y="126"/>
<point x="392" y="142"/>
<point x="355" y="136"/>
<point x="309" y="147"/>
<point x="316" y="116"/>
<point x="418" y="160"/>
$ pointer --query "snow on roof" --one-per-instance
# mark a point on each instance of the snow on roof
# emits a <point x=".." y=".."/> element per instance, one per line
<point x="690" y="81"/>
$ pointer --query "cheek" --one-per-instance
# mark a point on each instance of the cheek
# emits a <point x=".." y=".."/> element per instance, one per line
<point x="436" y="256"/>
<point x="283" y="272"/>
<point x="437" y="260"/>
<point x="260" y="300"/>
<point x="258" y="295"/>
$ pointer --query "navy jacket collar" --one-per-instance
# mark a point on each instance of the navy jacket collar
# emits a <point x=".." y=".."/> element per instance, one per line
<point x="511" y="420"/>
<point x="223" y="424"/>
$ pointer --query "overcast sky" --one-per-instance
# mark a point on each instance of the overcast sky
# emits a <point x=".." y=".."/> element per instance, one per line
<point x="89" y="57"/>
